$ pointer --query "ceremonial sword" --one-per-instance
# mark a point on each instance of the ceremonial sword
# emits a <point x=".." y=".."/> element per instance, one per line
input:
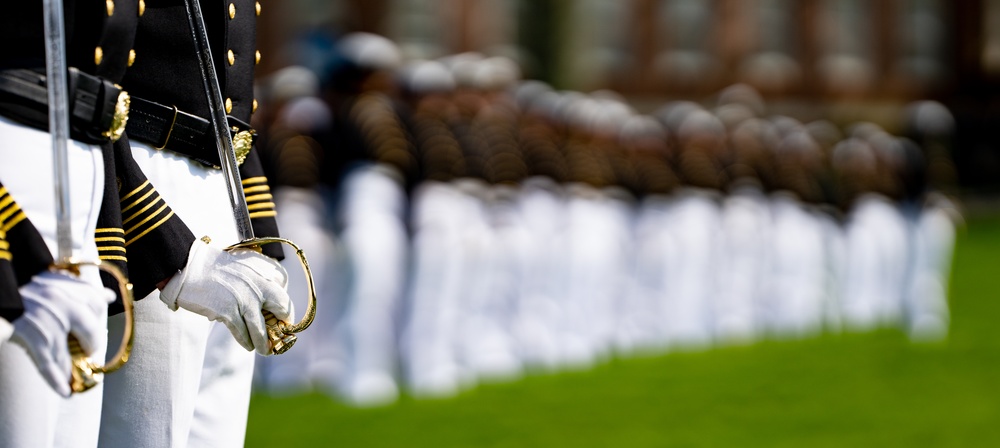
<point x="280" y="333"/>
<point x="85" y="373"/>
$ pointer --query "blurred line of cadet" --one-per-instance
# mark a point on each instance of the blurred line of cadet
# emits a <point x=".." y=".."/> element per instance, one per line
<point x="465" y="225"/>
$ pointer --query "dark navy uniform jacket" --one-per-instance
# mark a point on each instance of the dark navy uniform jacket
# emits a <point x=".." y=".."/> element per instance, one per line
<point x="146" y="46"/>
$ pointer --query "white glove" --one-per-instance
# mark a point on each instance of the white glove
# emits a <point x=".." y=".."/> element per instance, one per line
<point x="232" y="288"/>
<point x="5" y="330"/>
<point x="55" y="306"/>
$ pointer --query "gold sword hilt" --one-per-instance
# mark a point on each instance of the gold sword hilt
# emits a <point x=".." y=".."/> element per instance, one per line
<point x="86" y="374"/>
<point x="281" y="333"/>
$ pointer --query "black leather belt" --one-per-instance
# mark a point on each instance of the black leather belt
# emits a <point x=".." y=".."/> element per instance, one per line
<point x="98" y="108"/>
<point x="166" y="127"/>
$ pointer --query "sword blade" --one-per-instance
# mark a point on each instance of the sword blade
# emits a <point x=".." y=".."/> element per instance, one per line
<point x="220" y="126"/>
<point x="58" y="97"/>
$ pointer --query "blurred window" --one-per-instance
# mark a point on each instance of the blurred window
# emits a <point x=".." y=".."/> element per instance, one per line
<point x="597" y="42"/>
<point x="991" y="45"/>
<point x="685" y="59"/>
<point x="770" y="64"/>
<point x="846" y="43"/>
<point x="922" y="38"/>
<point x="418" y="27"/>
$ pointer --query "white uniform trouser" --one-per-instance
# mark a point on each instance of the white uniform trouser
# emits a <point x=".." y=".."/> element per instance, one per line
<point x="689" y="304"/>
<point x="543" y="280"/>
<point x="490" y="349"/>
<point x="745" y="223"/>
<point x="478" y="328"/>
<point x="188" y="381"/>
<point x="31" y="413"/>
<point x="877" y="254"/>
<point x="933" y="235"/>
<point x="655" y="266"/>
<point x="798" y="270"/>
<point x="5" y="330"/>
<point x="375" y="241"/>
<point x="303" y="221"/>
<point x="429" y="354"/>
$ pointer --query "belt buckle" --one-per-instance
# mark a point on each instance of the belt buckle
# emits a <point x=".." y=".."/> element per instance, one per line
<point x="120" y="117"/>
<point x="242" y="143"/>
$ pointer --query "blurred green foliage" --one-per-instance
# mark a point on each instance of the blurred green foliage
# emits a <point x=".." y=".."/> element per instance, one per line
<point x="874" y="389"/>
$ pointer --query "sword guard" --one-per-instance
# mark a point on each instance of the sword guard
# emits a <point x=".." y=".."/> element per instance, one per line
<point x="85" y="374"/>
<point x="281" y="333"/>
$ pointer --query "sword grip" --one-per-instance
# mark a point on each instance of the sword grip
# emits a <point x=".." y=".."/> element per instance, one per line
<point x="85" y="374"/>
<point x="280" y="340"/>
<point x="282" y="334"/>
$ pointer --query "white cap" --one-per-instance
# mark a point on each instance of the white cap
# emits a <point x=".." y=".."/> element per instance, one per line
<point x="370" y="51"/>
<point x="306" y="114"/>
<point x="701" y="122"/>
<point x="293" y="82"/>
<point x="423" y="77"/>
<point x="742" y="94"/>
<point x="930" y="118"/>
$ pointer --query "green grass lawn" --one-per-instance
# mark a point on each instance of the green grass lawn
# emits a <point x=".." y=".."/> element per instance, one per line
<point x="876" y="389"/>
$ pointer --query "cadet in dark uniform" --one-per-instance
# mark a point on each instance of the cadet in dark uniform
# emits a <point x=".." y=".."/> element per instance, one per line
<point x="189" y="378"/>
<point x="33" y="412"/>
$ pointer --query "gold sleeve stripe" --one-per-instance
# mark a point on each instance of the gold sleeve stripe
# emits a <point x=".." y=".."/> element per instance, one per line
<point x="256" y="189"/>
<point x="259" y="197"/>
<point x="109" y="230"/>
<point x="102" y="239"/>
<point x="113" y="257"/>
<point x="134" y="192"/>
<point x="6" y="214"/>
<point x="113" y="248"/>
<point x="261" y="206"/>
<point x="139" y="201"/>
<point x="13" y="222"/>
<point x="4" y="244"/>
<point x="254" y="180"/>
<point x="3" y="190"/>
<point x="147" y="207"/>
<point x="148" y="218"/>
<point x="4" y="255"/>
<point x="265" y="214"/>
<point x="7" y="199"/>
<point x="151" y="228"/>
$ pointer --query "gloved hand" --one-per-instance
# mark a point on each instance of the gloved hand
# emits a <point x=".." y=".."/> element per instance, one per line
<point x="55" y="306"/>
<point x="5" y="330"/>
<point x="232" y="288"/>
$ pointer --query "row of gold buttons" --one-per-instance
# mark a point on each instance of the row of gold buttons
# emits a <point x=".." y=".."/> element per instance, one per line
<point x="231" y="56"/>
<point x="99" y="52"/>
<point x="110" y="4"/>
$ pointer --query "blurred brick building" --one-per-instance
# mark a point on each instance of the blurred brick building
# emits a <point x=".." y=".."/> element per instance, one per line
<point x="847" y="60"/>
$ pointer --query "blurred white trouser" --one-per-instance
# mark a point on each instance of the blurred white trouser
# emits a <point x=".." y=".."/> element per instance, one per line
<point x="798" y="273"/>
<point x="696" y="229"/>
<point x="375" y="242"/>
<point x="655" y="268"/>
<point x="303" y="220"/>
<point x="746" y="225"/>
<point x="31" y="413"/>
<point x="933" y="235"/>
<point x="543" y="280"/>
<point x="877" y="254"/>
<point x="428" y="342"/>
<point x="188" y="381"/>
